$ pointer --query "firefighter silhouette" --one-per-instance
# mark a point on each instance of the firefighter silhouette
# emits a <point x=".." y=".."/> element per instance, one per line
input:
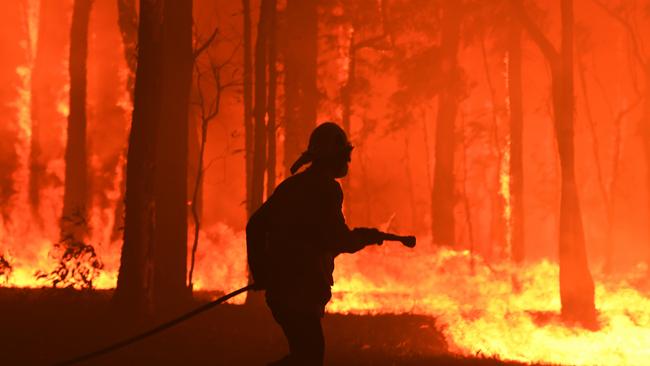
<point x="293" y="238"/>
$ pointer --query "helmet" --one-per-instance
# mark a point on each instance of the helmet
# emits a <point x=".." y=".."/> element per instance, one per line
<point x="328" y="141"/>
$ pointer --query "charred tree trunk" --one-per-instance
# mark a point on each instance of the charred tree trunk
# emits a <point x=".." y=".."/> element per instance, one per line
<point x="128" y="22"/>
<point x="248" y="104"/>
<point x="48" y="81"/>
<point x="153" y="268"/>
<point x="346" y="102"/>
<point x="443" y="197"/>
<point x="576" y="284"/>
<point x="134" y="292"/>
<point x="516" y="143"/>
<point x="301" y="94"/>
<point x="75" y="194"/>
<point x="170" y="285"/>
<point x="271" y="104"/>
<point x="260" y="135"/>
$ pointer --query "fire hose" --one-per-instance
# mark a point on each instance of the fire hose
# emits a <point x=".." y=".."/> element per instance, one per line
<point x="408" y="241"/>
<point x="152" y="331"/>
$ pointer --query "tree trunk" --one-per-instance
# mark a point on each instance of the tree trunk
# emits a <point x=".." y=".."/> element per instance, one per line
<point x="128" y="22"/>
<point x="75" y="195"/>
<point x="260" y="133"/>
<point x="260" y="136"/>
<point x="134" y="292"/>
<point x="515" y="87"/>
<point x="48" y="81"/>
<point x="301" y="94"/>
<point x="346" y="102"/>
<point x="171" y="156"/>
<point x="443" y="197"/>
<point x="576" y="284"/>
<point x="248" y="104"/>
<point x="154" y="256"/>
<point x="271" y="105"/>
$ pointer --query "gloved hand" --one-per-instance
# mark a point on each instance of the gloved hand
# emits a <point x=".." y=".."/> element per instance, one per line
<point x="368" y="235"/>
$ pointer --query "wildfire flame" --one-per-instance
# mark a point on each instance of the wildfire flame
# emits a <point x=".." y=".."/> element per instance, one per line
<point x="499" y="309"/>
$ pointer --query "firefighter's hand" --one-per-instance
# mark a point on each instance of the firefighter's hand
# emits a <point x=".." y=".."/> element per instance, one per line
<point x="369" y="235"/>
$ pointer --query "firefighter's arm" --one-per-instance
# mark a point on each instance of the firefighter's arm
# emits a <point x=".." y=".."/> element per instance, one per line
<point x="344" y="240"/>
<point x="257" y="245"/>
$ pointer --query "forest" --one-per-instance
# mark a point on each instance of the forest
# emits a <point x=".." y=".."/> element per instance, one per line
<point x="512" y="137"/>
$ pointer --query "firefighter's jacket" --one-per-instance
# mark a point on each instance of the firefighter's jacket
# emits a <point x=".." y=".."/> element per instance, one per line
<point x="295" y="235"/>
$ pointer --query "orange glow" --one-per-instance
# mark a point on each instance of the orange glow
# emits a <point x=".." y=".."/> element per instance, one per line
<point x="496" y="309"/>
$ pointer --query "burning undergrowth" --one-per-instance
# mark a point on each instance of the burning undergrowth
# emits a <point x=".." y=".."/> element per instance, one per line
<point x="493" y="309"/>
<point x="5" y="269"/>
<point x="78" y="265"/>
<point x="498" y="309"/>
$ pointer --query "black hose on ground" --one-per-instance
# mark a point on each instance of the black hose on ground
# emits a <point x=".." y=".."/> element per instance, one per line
<point x="152" y="331"/>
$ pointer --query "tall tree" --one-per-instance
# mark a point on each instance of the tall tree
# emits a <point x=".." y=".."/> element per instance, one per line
<point x="260" y="134"/>
<point x="172" y="153"/>
<point x="301" y="93"/>
<point x="576" y="284"/>
<point x="248" y="103"/>
<point x="75" y="194"/>
<point x="264" y="134"/>
<point x="443" y="196"/>
<point x="152" y="275"/>
<point x="272" y="41"/>
<point x="134" y="290"/>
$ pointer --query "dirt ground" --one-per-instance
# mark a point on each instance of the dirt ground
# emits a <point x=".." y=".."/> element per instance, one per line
<point x="46" y="326"/>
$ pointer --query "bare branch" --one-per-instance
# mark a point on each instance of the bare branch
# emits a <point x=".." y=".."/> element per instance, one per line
<point x="535" y="33"/>
<point x="206" y="44"/>
<point x="640" y="57"/>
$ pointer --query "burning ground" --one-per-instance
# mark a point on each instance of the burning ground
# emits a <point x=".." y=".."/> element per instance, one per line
<point x="443" y="304"/>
